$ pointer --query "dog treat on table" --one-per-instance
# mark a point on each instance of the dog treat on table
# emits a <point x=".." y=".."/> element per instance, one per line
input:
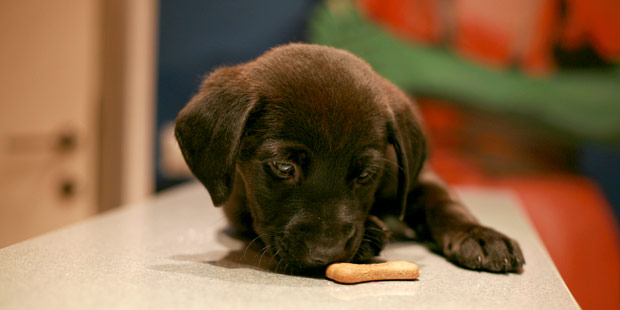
<point x="349" y="273"/>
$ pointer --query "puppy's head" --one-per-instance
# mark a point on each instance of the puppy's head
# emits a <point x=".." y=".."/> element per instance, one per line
<point x="310" y="130"/>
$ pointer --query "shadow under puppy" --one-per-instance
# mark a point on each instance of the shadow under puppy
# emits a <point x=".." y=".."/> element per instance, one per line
<point x="307" y="147"/>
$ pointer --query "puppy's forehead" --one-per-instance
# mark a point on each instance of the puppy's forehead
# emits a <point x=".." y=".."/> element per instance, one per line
<point x="310" y="70"/>
<point x="320" y="94"/>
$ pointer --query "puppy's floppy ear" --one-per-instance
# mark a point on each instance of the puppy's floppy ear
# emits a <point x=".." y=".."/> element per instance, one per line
<point x="209" y="130"/>
<point x="406" y="135"/>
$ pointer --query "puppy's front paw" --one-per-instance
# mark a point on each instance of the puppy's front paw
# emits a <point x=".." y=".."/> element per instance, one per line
<point x="376" y="236"/>
<point x="482" y="248"/>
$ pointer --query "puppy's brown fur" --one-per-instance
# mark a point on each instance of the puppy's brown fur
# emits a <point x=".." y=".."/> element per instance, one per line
<point x="307" y="146"/>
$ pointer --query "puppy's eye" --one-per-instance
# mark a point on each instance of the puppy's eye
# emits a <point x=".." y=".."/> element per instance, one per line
<point x="365" y="176"/>
<point x="283" y="170"/>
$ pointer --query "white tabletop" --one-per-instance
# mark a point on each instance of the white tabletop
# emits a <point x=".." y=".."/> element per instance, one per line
<point x="172" y="252"/>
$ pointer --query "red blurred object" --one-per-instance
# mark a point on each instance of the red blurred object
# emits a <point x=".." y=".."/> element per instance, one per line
<point x="493" y="32"/>
<point x="413" y="19"/>
<point x="596" y="22"/>
<point x="569" y="212"/>
<point x="500" y="33"/>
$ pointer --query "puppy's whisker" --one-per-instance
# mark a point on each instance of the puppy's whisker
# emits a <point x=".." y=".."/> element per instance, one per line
<point x="263" y="252"/>
<point x="249" y="245"/>
<point x="387" y="161"/>
<point x="219" y="219"/>
<point x="393" y="163"/>
<point x="277" y="266"/>
<point x="280" y="261"/>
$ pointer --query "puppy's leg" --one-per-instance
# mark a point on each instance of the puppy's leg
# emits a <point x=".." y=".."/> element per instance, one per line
<point x="376" y="236"/>
<point x="437" y="215"/>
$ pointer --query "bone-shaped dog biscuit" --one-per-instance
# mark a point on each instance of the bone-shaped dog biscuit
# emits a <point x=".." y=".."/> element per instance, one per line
<point x="355" y="273"/>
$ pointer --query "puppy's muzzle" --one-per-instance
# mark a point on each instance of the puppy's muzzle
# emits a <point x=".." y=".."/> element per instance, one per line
<point x="325" y="244"/>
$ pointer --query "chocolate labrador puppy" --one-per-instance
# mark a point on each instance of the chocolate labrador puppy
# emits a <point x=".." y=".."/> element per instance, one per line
<point x="307" y="147"/>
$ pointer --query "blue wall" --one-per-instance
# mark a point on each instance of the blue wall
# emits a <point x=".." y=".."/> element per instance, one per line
<point x="197" y="36"/>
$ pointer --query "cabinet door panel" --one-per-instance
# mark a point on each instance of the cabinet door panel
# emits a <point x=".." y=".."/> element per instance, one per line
<point x="48" y="114"/>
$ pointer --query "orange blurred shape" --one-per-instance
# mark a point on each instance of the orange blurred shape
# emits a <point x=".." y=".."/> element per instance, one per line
<point x="596" y="22"/>
<point x="412" y="19"/>
<point x="439" y="116"/>
<point x="499" y="33"/>
<point x="493" y="32"/>
<point x="537" y="55"/>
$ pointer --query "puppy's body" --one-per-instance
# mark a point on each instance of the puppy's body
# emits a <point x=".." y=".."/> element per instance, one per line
<point x="306" y="146"/>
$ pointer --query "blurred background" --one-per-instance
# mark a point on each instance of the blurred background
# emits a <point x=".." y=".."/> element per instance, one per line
<point x="521" y="95"/>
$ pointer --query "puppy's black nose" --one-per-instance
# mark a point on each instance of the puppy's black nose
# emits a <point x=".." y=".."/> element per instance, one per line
<point x="322" y="256"/>
<point x="330" y="247"/>
<point x="320" y="261"/>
